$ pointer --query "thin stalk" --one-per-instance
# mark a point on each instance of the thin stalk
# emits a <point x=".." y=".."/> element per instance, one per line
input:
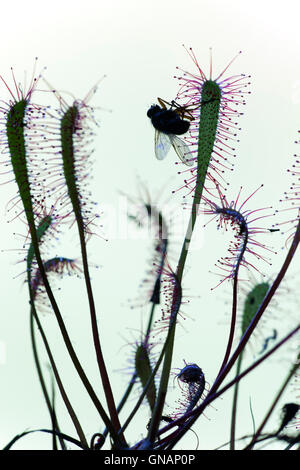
<point x="171" y="333"/>
<point x="151" y="378"/>
<point x="220" y="378"/>
<point x="42" y="382"/>
<point x="54" y="427"/>
<point x="271" y="409"/>
<point x="168" y="348"/>
<point x="233" y="322"/>
<point x="211" y="397"/>
<point x="101" y="364"/>
<point x="66" y="337"/>
<point x="205" y="148"/>
<point x="213" y="394"/>
<point x="127" y="392"/>
<point x="150" y="321"/>
<point x="209" y="103"/>
<point x="57" y="377"/>
<point x="190" y="229"/>
<point x="230" y="340"/>
<point x="234" y="404"/>
<point x="234" y="299"/>
<point x="124" y="399"/>
<point x="134" y="376"/>
<point x="68" y="127"/>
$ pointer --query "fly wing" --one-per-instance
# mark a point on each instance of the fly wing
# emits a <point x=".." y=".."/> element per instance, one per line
<point x="182" y="150"/>
<point x="162" y="144"/>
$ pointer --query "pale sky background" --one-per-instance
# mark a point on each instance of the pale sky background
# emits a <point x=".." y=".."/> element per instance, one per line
<point x="138" y="45"/>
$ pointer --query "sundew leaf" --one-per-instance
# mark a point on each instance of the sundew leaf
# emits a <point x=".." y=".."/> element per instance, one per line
<point x="15" y="125"/>
<point x="42" y="228"/>
<point x="252" y="302"/>
<point x="144" y="370"/>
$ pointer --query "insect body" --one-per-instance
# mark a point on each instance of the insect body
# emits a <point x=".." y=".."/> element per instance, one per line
<point x="168" y="124"/>
<point x="167" y="121"/>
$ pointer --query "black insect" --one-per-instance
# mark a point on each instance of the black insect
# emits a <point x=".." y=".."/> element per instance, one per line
<point x="168" y="124"/>
<point x="167" y="121"/>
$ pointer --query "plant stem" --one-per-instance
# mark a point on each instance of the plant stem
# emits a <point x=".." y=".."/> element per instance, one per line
<point x="42" y="381"/>
<point x="204" y="154"/>
<point x="271" y="409"/>
<point x="213" y="396"/>
<point x="167" y="351"/>
<point x="150" y="321"/>
<point x="150" y="379"/>
<point x="65" y="335"/>
<point x="171" y="333"/>
<point x="101" y="364"/>
<point x="234" y="404"/>
<point x="58" y="380"/>
<point x="233" y="322"/>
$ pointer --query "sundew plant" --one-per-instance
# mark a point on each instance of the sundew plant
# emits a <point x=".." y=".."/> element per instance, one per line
<point x="47" y="153"/>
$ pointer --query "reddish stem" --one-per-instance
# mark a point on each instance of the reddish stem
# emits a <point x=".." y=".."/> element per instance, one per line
<point x="100" y="360"/>
<point x="233" y="321"/>
<point x="211" y="397"/>
<point x="224" y="372"/>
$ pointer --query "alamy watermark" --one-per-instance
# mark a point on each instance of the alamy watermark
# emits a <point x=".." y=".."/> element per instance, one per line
<point x="125" y="221"/>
